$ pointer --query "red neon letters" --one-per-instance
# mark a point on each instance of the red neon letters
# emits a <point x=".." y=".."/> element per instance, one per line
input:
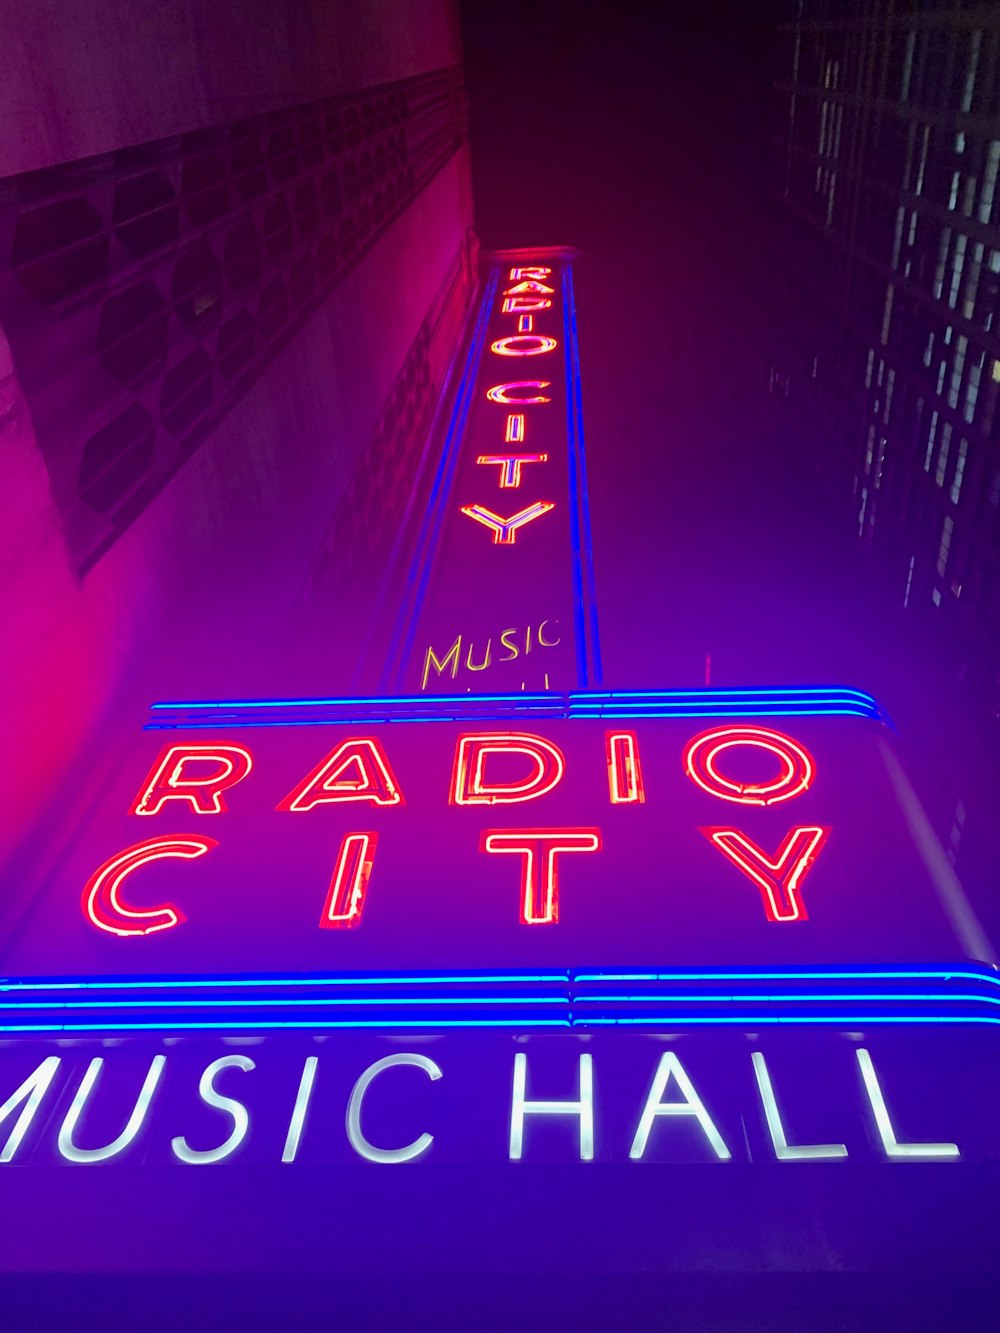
<point x="516" y="305"/>
<point x="740" y="763"/>
<point x="500" y="393"/>
<point x="505" y="529"/>
<point x="179" y="775"/>
<point x="539" y="849"/>
<point x="524" y="344"/>
<point x="528" y="295"/>
<point x="345" y="899"/>
<point x="515" y="429"/>
<point x="796" y="765"/>
<point x="102" y="905"/>
<point x="469" y="782"/>
<point x="779" y="878"/>
<point x="624" y="773"/>
<point x="356" y="771"/>
<point x="510" y="466"/>
<point x="523" y="288"/>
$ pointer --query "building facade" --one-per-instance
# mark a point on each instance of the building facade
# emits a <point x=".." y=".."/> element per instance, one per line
<point x="231" y="281"/>
<point x="356" y="929"/>
<point x="883" y="290"/>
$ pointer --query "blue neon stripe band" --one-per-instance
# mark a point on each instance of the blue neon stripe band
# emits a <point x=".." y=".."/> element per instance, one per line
<point x="579" y="617"/>
<point x="309" y="1026"/>
<point x="802" y="1020"/>
<point x="305" y="1002"/>
<point x="790" y="691"/>
<point x="741" y="1003"/>
<point x="576" y="706"/>
<point x="580" y="498"/>
<point x="559" y="977"/>
<point x="155" y="983"/>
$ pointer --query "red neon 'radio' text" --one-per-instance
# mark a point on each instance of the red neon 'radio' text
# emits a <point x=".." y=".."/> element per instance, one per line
<point x="739" y="764"/>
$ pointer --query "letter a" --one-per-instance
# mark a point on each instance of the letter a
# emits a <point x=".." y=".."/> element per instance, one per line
<point x="356" y="771"/>
<point x="530" y="286"/>
<point x="692" y="1105"/>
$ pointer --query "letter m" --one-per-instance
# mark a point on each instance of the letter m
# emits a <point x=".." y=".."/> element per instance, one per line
<point x="30" y="1093"/>
<point x="452" y="656"/>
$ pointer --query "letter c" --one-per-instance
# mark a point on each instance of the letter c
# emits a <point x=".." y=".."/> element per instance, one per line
<point x="354" y="1133"/>
<point x="101" y="904"/>
<point x="500" y="393"/>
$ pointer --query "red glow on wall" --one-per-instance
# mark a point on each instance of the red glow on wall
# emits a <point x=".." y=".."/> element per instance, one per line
<point x="102" y="905"/>
<point x="796" y="765"/>
<point x="777" y="877"/>
<point x="539" y="850"/>
<point x="470" y="786"/>
<point x="171" y="778"/>
<point x="357" y="770"/>
<point x="345" y="898"/>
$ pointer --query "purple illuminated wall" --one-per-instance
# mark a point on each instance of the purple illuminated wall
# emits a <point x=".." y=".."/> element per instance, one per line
<point x="130" y="546"/>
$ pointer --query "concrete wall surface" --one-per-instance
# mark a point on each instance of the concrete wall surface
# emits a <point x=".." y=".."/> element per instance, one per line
<point x="198" y="593"/>
<point x="82" y="77"/>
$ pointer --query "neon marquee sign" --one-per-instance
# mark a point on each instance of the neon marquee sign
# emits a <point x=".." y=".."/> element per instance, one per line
<point x="659" y="841"/>
<point x="490" y="768"/>
<point x="505" y="581"/>
<point x="543" y="858"/>
<point x="199" y="1108"/>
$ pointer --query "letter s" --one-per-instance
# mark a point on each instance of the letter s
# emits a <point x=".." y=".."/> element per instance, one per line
<point x="508" y="657"/>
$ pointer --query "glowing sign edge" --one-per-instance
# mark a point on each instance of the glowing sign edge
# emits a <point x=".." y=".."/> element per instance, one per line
<point x="848" y="998"/>
<point x="576" y="705"/>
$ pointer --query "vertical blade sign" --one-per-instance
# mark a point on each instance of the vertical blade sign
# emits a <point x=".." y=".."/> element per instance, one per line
<point x="501" y="600"/>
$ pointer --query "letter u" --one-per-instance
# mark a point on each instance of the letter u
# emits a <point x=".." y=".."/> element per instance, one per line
<point x="68" y="1149"/>
<point x="484" y="663"/>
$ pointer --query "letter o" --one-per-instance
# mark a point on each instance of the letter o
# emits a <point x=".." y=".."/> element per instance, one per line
<point x="524" y="344"/>
<point x="797" y="767"/>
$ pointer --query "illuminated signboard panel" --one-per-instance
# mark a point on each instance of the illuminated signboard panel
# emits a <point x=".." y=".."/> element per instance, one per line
<point x="458" y="1098"/>
<point x="501" y="594"/>
<point x="499" y="914"/>
<point x="545" y="860"/>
